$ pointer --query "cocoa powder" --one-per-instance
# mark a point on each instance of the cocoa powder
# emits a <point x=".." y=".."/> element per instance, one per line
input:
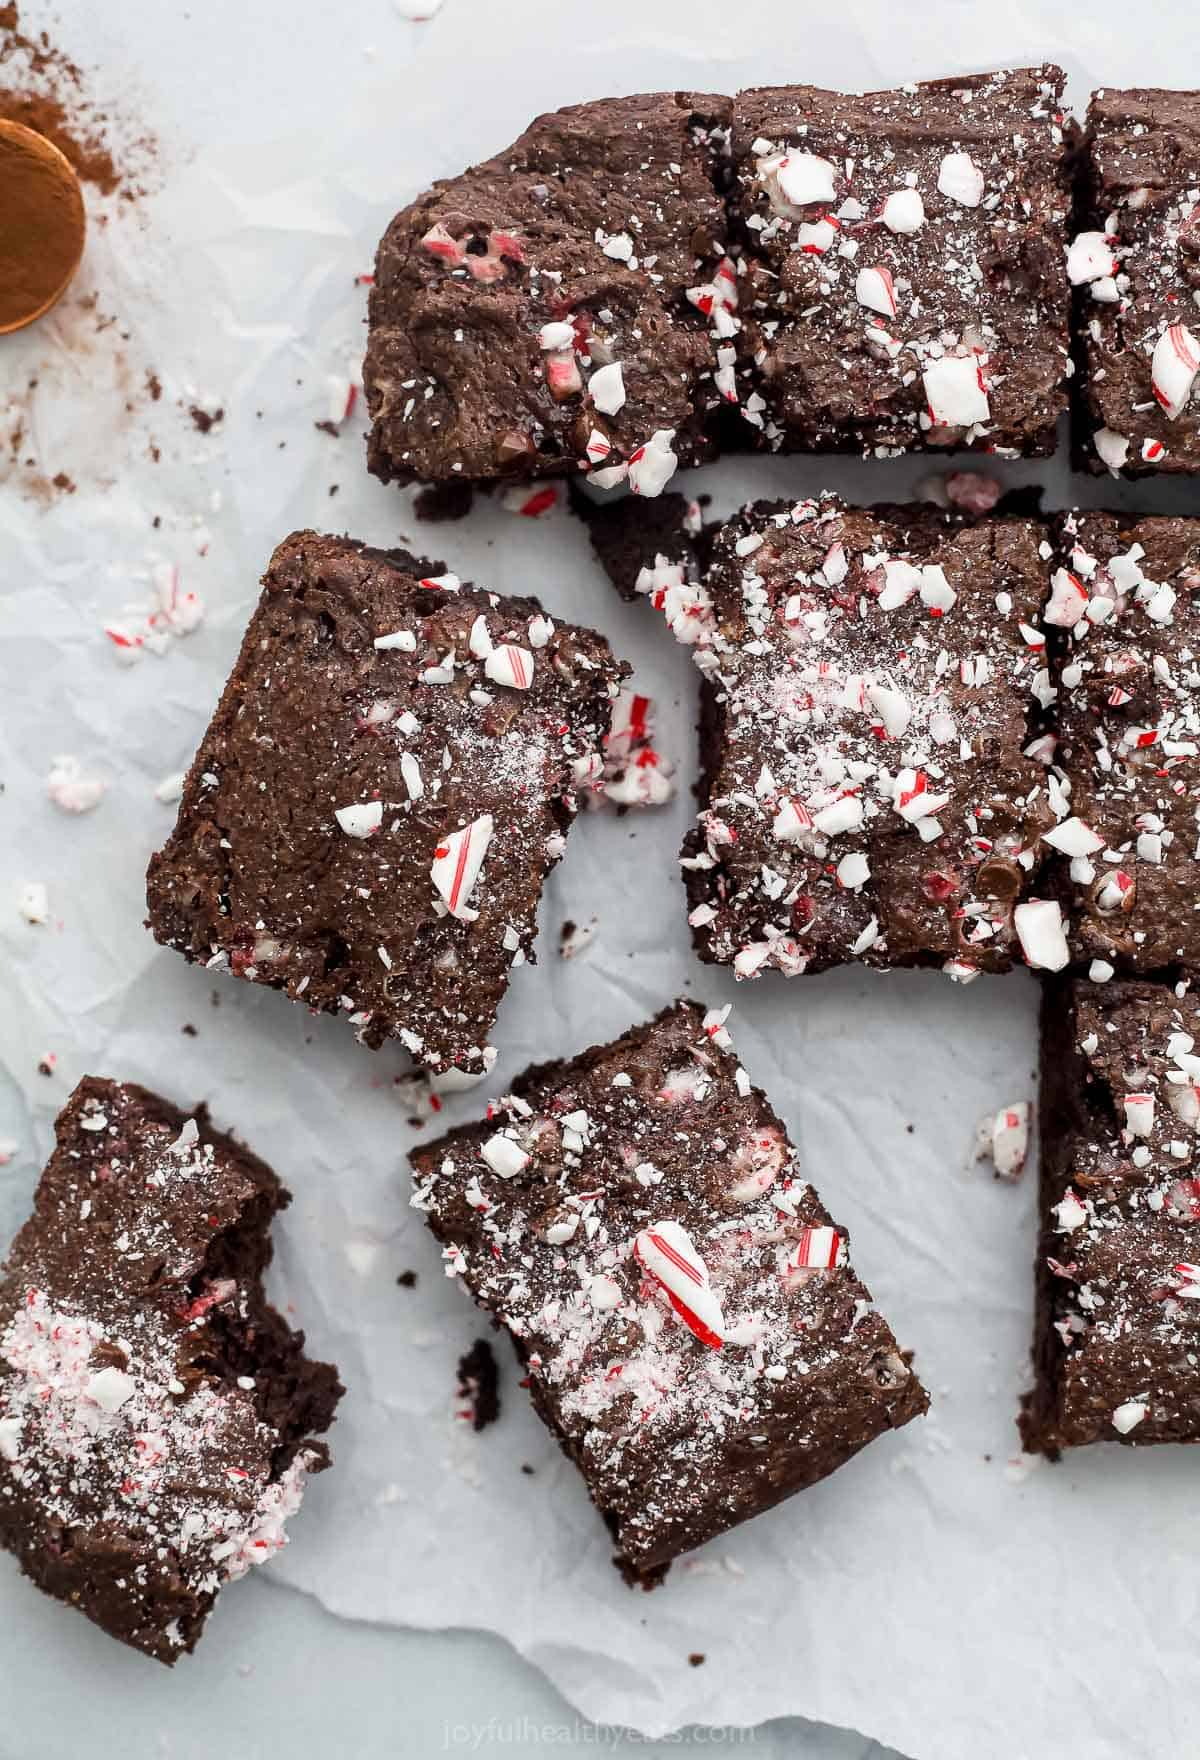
<point x="41" y="87"/>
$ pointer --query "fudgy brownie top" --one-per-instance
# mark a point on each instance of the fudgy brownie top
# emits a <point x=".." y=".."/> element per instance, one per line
<point x="1128" y="718"/>
<point x="906" y="283"/>
<point x="1136" y="266"/>
<point x="385" y="784"/>
<point x="1122" y="1209"/>
<point x="531" y="316"/>
<point x="872" y="789"/>
<point x="690" y="1322"/>
<point x="154" y="1412"/>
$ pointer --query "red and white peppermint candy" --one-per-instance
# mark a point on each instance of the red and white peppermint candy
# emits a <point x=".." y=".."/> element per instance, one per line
<point x="606" y="388"/>
<point x="1089" y="256"/>
<point x="1112" y="892"/>
<point x="529" y="502"/>
<point x="1039" y="926"/>
<point x="504" y="1155"/>
<point x="912" y="797"/>
<point x="817" y="1249"/>
<point x="1173" y="369"/>
<point x="1010" y="1140"/>
<point x="361" y="819"/>
<point x="554" y="338"/>
<point x="875" y="290"/>
<point x="665" y="1251"/>
<point x="903" y="211"/>
<point x="961" y="179"/>
<point x="815" y="237"/>
<point x="1074" y="838"/>
<point x="803" y="178"/>
<point x="1068" y="600"/>
<point x="439" y="243"/>
<point x="955" y="390"/>
<point x="1139" y="1114"/>
<point x="1111" y="449"/>
<point x="441" y="583"/>
<point x="791" y="821"/>
<point x="653" y="465"/>
<point x="598" y="447"/>
<point x="457" y="861"/>
<point x="1187" y="1286"/>
<point x="562" y="375"/>
<point x="510" y="666"/>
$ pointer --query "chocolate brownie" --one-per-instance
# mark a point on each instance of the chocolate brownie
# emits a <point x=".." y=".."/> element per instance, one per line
<point x="156" y="1415"/>
<point x="638" y="281"/>
<point x="541" y="313"/>
<point x="1124" y="602"/>
<point x="1117" y="1341"/>
<point x="386" y="782"/>
<point x="906" y="283"/>
<point x="874" y="784"/>
<point x="693" y="1332"/>
<point x="1135" y="266"/>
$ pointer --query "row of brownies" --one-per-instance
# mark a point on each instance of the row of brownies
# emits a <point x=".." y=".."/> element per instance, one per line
<point x="927" y="740"/>
<point x="638" y="283"/>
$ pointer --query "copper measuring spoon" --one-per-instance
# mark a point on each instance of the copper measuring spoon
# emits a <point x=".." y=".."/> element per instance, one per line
<point x="42" y="225"/>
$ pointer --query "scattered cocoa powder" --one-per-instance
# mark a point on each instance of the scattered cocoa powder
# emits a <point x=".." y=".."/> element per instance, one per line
<point x="43" y="88"/>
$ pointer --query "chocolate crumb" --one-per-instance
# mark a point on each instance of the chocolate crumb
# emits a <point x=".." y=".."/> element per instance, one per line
<point x="696" y="1659"/>
<point x="442" y="502"/>
<point x="479" y="1383"/>
<point x="189" y="1029"/>
<point x="205" y="420"/>
<point x="407" y="1280"/>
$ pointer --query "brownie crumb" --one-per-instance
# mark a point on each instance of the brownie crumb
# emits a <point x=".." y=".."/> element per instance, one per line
<point x="443" y="502"/>
<point x="154" y="386"/>
<point x="189" y="1030"/>
<point x="407" y="1280"/>
<point x="205" y="419"/>
<point x="528" y="1470"/>
<point x="696" y="1659"/>
<point x="479" y="1384"/>
<point x="327" y="427"/>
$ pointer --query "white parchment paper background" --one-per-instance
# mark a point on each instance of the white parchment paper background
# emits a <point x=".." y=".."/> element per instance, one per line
<point x="938" y="1593"/>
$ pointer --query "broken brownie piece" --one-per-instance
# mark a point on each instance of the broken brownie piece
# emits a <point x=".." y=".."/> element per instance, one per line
<point x="1128" y="721"/>
<point x="693" y="1331"/>
<point x="386" y="782"/>
<point x="874" y="783"/>
<point x="156" y="1415"/>
<point x="543" y="312"/>
<point x="904" y="281"/>
<point x="1117" y="1339"/>
<point x="1135" y="267"/>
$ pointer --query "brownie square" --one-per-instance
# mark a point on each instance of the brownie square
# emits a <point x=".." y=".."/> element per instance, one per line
<point x="156" y="1415"/>
<point x="1135" y="266"/>
<point x="1128" y="720"/>
<point x="693" y="1332"/>
<point x="874" y="784"/>
<point x="905" y="281"/>
<point x="385" y="785"/>
<point x="532" y="317"/>
<point x="1117" y="1340"/>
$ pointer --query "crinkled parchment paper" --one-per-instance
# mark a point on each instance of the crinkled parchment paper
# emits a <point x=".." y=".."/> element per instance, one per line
<point x="939" y="1593"/>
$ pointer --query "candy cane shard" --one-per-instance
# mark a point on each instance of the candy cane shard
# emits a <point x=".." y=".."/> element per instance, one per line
<point x="903" y="211"/>
<point x="955" y="390"/>
<point x="817" y="1249"/>
<point x="456" y="865"/>
<point x="665" y="1251"/>
<point x="1173" y="368"/>
<point x="510" y="666"/>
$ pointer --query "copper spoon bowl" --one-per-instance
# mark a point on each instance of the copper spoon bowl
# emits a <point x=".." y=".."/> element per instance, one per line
<point x="42" y="225"/>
